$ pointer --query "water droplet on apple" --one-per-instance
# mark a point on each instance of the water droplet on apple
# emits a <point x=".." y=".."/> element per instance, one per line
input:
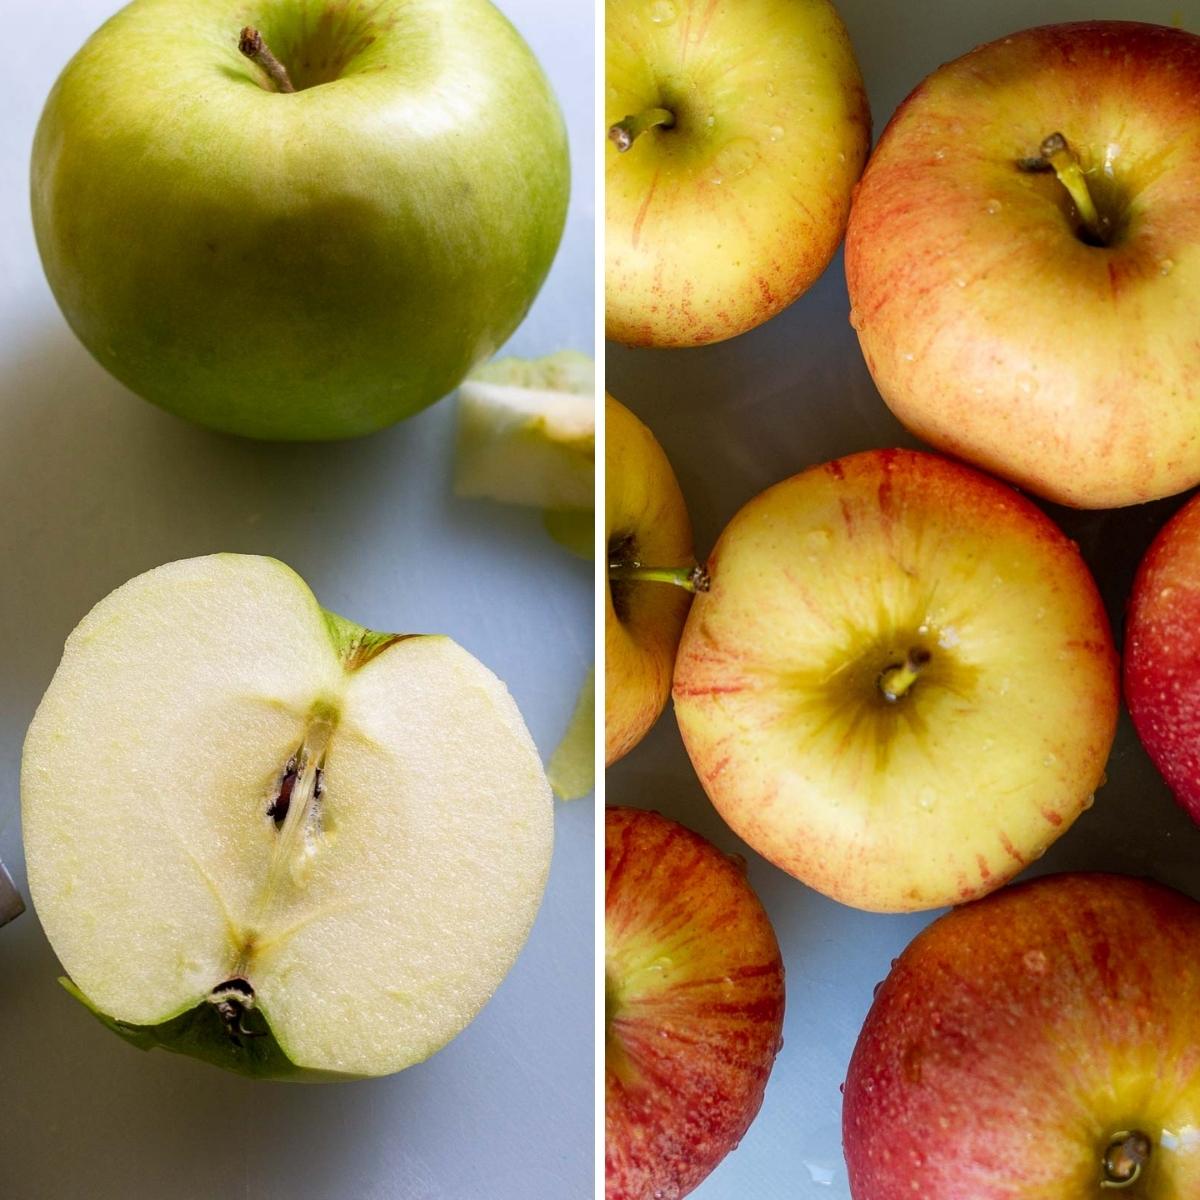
<point x="940" y="153"/>
<point x="1089" y="801"/>
<point x="841" y="156"/>
<point x="738" y="860"/>
<point x="960" y="281"/>
<point x="1038" y="852"/>
<point x="987" y="743"/>
<point x="868" y="1085"/>
<point x="1049" y="760"/>
<point x="710" y="120"/>
<point x="776" y="133"/>
<point x="856" y="321"/>
<point x="993" y="207"/>
<point x="875" y="989"/>
<point x="1166" y="593"/>
<point x="842" y="1088"/>
<point x="770" y="89"/>
<point x="927" y="798"/>
<point x="1026" y="384"/>
<point x="1005" y="684"/>
<point x="1035" y="961"/>
<point x="662" y="12"/>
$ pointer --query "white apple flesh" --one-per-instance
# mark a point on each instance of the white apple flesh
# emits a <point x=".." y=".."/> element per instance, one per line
<point x="226" y="788"/>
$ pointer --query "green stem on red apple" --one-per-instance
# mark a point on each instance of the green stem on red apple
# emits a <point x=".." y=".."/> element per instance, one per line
<point x="1127" y="1153"/>
<point x="691" y="579"/>
<point x="251" y="44"/>
<point x="1058" y="153"/>
<point x="627" y="131"/>
<point x="895" y="682"/>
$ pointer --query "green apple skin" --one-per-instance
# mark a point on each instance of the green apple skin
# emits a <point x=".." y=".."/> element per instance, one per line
<point x="646" y="521"/>
<point x="992" y="330"/>
<point x="694" y="1000"/>
<point x="819" y="587"/>
<point x="301" y="266"/>
<point x="1016" y="1036"/>
<point x="718" y="223"/>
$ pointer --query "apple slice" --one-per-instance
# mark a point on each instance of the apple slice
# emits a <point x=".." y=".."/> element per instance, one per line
<point x="246" y="816"/>
<point x="527" y="432"/>
<point x="901" y="686"/>
<point x="1038" y="1045"/>
<point x="693" y="1005"/>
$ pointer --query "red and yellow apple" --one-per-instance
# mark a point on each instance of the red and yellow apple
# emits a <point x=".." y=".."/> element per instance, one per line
<point x="901" y="685"/>
<point x="736" y="133"/>
<point x="1029" y="307"/>
<point x="693" y="1006"/>
<point x="1162" y="655"/>
<point x="649" y="541"/>
<point x="1043" y="1044"/>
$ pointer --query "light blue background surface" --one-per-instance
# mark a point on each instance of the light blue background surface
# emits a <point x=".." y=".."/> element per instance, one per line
<point x="98" y="486"/>
<point x="738" y="417"/>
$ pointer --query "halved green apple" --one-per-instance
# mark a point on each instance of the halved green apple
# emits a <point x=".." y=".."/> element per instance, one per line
<point x="264" y="836"/>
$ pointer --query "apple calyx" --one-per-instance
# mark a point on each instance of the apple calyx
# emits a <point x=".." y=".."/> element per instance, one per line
<point x="896" y="680"/>
<point x="1125" y="1156"/>
<point x="251" y="44"/>
<point x="232" y="1000"/>
<point x="1055" y="154"/>
<point x="627" y="130"/>
<point x="691" y="579"/>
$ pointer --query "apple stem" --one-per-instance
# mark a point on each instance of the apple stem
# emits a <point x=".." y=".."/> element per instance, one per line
<point x="627" y="131"/>
<point x="691" y="579"/>
<point x="896" y="681"/>
<point x="251" y="44"/>
<point x="1126" y="1155"/>
<point x="1057" y="153"/>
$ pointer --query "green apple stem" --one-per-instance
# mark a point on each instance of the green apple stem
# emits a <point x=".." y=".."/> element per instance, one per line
<point x="895" y="682"/>
<point x="1126" y="1155"/>
<point x="1058" y="153"/>
<point x="691" y="579"/>
<point x="627" y="131"/>
<point x="251" y="44"/>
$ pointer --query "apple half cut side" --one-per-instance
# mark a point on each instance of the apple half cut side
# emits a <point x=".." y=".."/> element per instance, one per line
<point x="693" y="1010"/>
<point x="651" y="575"/>
<point x="262" y="835"/>
<point x="901" y="685"/>
<point x="1037" y="1045"/>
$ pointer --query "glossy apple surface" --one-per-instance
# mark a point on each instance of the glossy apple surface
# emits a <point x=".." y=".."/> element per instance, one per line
<point x="693" y="1005"/>
<point x="822" y="589"/>
<point x="1162" y="655"/>
<point x="645" y="522"/>
<point x="1020" y="1042"/>
<point x="993" y="329"/>
<point x="719" y="222"/>
<point x="310" y="265"/>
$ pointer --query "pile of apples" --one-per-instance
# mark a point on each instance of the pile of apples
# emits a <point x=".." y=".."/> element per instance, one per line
<point x="894" y="674"/>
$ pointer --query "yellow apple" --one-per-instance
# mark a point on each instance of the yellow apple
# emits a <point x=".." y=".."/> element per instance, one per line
<point x="901" y="685"/>
<point x="649" y="541"/>
<point x="737" y="132"/>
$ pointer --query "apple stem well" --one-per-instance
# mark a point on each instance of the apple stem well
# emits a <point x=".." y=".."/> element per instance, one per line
<point x="691" y="579"/>
<point x="896" y="680"/>
<point x="1055" y="154"/>
<point x="251" y="44"/>
<point x="627" y="130"/>
<point x="1127" y="1153"/>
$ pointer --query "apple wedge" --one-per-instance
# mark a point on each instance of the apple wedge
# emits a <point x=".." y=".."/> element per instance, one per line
<point x="262" y="835"/>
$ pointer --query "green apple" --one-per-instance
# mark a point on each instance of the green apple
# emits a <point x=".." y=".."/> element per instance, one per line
<point x="736" y="133"/>
<point x="1023" y="258"/>
<point x="901" y="686"/>
<point x="649" y="546"/>
<point x="527" y="435"/>
<point x="1038" y="1045"/>
<point x="261" y="835"/>
<point x="309" y="264"/>
<point x="693" y="1005"/>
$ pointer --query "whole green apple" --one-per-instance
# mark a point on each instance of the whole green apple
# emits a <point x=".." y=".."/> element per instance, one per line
<point x="693" y="1005"/>
<point x="263" y="836"/>
<point x="309" y="264"/>
<point x="736" y="133"/>
<point x="901" y="686"/>
<point x="1023" y="258"/>
<point x="1041" y="1044"/>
